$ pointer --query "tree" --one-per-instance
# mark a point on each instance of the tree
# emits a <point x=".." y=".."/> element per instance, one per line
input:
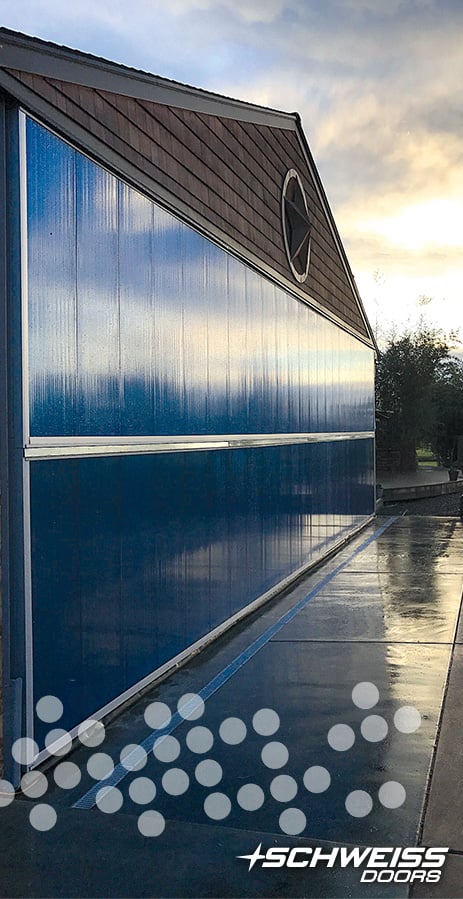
<point x="448" y="410"/>
<point x="407" y="372"/>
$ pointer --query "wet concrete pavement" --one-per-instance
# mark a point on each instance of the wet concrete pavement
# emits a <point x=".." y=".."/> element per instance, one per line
<point x="312" y="723"/>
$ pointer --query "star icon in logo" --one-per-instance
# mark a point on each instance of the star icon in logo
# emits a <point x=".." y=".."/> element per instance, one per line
<point x="254" y="857"/>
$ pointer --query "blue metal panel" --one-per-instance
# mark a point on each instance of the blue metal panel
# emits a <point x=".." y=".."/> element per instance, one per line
<point x="136" y="558"/>
<point x="139" y="325"/>
<point x="137" y="321"/>
<point x="97" y="321"/>
<point x="52" y="271"/>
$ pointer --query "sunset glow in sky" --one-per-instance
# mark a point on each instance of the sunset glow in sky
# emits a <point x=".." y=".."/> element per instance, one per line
<point x="379" y="86"/>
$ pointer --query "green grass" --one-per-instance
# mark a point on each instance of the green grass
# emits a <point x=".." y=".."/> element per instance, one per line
<point x="426" y="456"/>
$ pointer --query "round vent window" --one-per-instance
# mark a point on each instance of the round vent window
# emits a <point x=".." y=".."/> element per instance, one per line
<point x="296" y="225"/>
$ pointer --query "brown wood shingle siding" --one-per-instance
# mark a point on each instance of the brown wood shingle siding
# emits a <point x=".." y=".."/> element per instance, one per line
<point x="236" y="184"/>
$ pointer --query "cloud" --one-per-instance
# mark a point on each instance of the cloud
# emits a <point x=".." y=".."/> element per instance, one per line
<point x="257" y="11"/>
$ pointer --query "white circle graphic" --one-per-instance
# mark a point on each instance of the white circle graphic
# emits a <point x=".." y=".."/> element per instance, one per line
<point x="34" y="784"/>
<point x="374" y="728"/>
<point x="266" y="722"/>
<point x="217" y="806"/>
<point x="151" y="824"/>
<point x="341" y="737"/>
<point x="142" y="790"/>
<point x="199" y="739"/>
<point x="283" y="788"/>
<point x="392" y="794"/>
<point x="42" y="817"/>
<point x="6" y="793"/>
<point x="91" y="733"/>
<point x="250" y="797"/>
<point x="274" y="755"/>
<point x="232" y="731"/>
<point x="190" y="706"/>
<point x="49" y="709"/>
<point x="24" y="750"/>
<point x="175" y="782"/>
<point x="365" y="695"/>
<point x="166" y="749"/>
<point x="407" y="719"/>
<point x="292" y="821"/>
<point x="157" y="715"/>
<point x="58" y="741"/>
<point x="109" y="800"/>
<point x="100" y="766"/>
<point x="133" y="757"/>
<point x="208" y="773"/>
<point x="359" y="803"/>
<point x="317" y="779"/>
<point x="67" y="775"/>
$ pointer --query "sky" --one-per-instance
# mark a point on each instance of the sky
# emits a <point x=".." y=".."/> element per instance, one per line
<point x="379" y="87"/>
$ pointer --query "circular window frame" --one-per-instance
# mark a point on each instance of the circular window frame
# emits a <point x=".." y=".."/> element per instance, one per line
<point x="292" y="174"/>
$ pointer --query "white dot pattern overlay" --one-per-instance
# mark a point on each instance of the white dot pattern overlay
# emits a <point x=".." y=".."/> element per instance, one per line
<point x="232" y="731"/>
<point x="407" y="719"/>
<point x="365" y="695"/>
<point x="208" y="773"/>
<point x="91" y="733"/>
<point x="341" y="737"/>
<point x="34" y="784"/>
<point x="6" y="793"/>
<point x="317" y="779"/>
<point x="142" y="790"/>
<point x="217" y="806"/>
<point x="359" y="803"/>
<point x="292" y="821"/>
<point x="283" y="788"/>
<point x="49" y="709"/>
<point x="392" y="794"/>
<point x="374" y="728"/>
<point x="275" y="754"/>
<point x="42" y="817"/>
<point x="250" y="797"/>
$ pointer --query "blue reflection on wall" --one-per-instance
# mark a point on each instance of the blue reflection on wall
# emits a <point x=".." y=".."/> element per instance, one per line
<point x="135" y="558"/>
<point x="141" y="326"/>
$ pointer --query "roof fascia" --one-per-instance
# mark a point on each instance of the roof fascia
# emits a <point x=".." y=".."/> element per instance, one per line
<point x="52" y="61"/>
<point x="332" y="225"/>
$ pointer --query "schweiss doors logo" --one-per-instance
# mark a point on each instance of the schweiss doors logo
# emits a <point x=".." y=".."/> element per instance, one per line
<point x="382" y="864"/>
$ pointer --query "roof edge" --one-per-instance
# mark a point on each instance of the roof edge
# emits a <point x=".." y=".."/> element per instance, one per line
<point x="36" y="56"/>
<point x="334" y="230"/>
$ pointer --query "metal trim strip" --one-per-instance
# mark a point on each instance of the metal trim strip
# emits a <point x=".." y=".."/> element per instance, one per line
<point x="28" y="623"/>
<point x="24" y="273"/>
<point x="18" y="51"/>
<point x="91" y="447"/>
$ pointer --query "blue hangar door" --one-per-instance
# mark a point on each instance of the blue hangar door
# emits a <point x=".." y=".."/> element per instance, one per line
<point x="192" y="435"/>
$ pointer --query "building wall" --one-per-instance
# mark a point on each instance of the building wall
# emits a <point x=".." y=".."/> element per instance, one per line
<point x="139" y="327"/>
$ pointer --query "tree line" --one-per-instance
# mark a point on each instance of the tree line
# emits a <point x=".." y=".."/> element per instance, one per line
<point x="419" y="397"/>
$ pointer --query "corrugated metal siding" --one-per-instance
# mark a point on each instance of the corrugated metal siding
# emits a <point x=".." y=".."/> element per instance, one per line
<point x="135" y="559"/>
<point x="236" y="185"/>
